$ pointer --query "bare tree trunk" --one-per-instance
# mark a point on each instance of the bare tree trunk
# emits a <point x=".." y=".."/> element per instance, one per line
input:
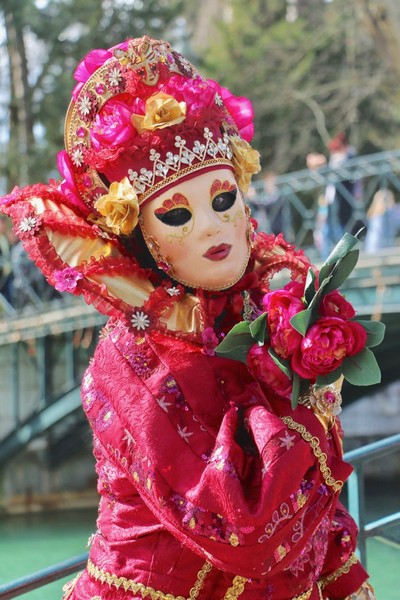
<point x="20" y="133"/>
<point x="203" y="18"/>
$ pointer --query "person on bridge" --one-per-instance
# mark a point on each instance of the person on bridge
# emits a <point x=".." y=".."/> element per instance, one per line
<point x="211" y="485"/>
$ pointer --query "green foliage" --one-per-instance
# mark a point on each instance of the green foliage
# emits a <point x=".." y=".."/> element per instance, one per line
<point x="308" y="79"/>
<point x="361" y="369"/>
<point x="237" y="343"/>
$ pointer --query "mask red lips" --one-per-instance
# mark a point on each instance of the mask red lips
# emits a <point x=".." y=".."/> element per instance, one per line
<point x="217" y="253"/>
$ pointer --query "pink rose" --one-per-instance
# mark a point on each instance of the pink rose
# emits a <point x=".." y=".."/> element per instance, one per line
<point x="197" y="93"/>
<point x="264" y="368"/>
<point x="112" y="128"/>
<point x="281" y="306"/>
<point x="335" y="305"/>
<point x="88" y="66"/>
<point x="66" y="280"/>
<point x="91" y="63"/>
<point x="326" y="344"/>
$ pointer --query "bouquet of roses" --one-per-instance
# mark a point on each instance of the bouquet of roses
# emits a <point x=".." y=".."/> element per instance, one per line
<point x="307" y="334"/>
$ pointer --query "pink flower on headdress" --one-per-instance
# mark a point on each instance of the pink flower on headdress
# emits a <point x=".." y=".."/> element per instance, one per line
<point x="66" y="280"/>
<point x="92" y="61"/>
<point x="88" y="66"/>
<point x="112" y="127"/>
<point x="196" y="93"/>
<point x="240" y="109"/>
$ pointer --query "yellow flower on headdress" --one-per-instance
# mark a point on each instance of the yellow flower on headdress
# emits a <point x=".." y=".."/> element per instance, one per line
<point x="246" y="161"/>
<point x="162" y="111"/>
<point x="120" y="207"/>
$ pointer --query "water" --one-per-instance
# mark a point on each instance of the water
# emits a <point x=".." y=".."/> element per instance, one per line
<point x="29" y="543"/>
<point x="32" y="542"/>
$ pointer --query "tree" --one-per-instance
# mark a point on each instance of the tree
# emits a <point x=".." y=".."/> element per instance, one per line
<point x="44" y="46"/>
<point x="20" y="117"/>
<point x="308" y="78"/>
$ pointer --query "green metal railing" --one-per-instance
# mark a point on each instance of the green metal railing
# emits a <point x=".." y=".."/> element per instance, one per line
<point x="356" y="491"/>
<point x="299" y="193"/>
<point x="43" y="577"/>
<point x="356" y="500"/>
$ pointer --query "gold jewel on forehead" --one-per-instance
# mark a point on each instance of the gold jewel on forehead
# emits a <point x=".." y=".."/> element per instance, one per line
<point x="141" y="56"/>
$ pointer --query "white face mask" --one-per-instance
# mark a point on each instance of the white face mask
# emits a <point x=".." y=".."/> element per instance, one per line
<point x="199" y="228"/>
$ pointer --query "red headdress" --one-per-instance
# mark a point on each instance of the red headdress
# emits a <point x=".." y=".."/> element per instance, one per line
<point x="142" y="111"/>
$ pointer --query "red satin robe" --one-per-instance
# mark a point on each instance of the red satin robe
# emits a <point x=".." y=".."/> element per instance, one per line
<point x="209" y="482"/>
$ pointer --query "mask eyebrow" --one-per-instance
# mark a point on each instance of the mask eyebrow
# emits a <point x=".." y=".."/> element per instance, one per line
<point x="217" y="187"/>
<point x="176" y="200"/>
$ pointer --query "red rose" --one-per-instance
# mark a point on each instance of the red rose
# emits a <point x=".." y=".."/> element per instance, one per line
<point x="281" y="306"/>
<point x="335" y="305"/>
<point x="326" y="344"/>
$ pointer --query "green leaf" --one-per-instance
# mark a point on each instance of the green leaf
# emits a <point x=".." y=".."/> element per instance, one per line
<point x="342" y="270"/>
<point x="324" y="272"/>
<point x="343" y="247"/>
<point x="258" y="328"/>
<point x="323" y="380"/>
<point x="301" y="321"/>
<point x="313" y="306"/>
<point x="295" y="390"/>
<point x="237" y="343"/>
<point x="283" y="364"/>
<point x="309" y="288"/>
<point x="362" y="368"/>
<point x="375" y="332"/>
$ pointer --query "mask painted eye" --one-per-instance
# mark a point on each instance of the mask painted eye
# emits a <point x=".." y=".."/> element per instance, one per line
<point x="224" y="201"/>
<point x="174" y="217"/>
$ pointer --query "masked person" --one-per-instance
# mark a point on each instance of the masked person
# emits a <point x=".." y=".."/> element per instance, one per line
<point x="211" y="485"/>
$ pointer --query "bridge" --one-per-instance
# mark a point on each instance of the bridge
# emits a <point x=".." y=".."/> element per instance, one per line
<point x="45" y="345"/>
